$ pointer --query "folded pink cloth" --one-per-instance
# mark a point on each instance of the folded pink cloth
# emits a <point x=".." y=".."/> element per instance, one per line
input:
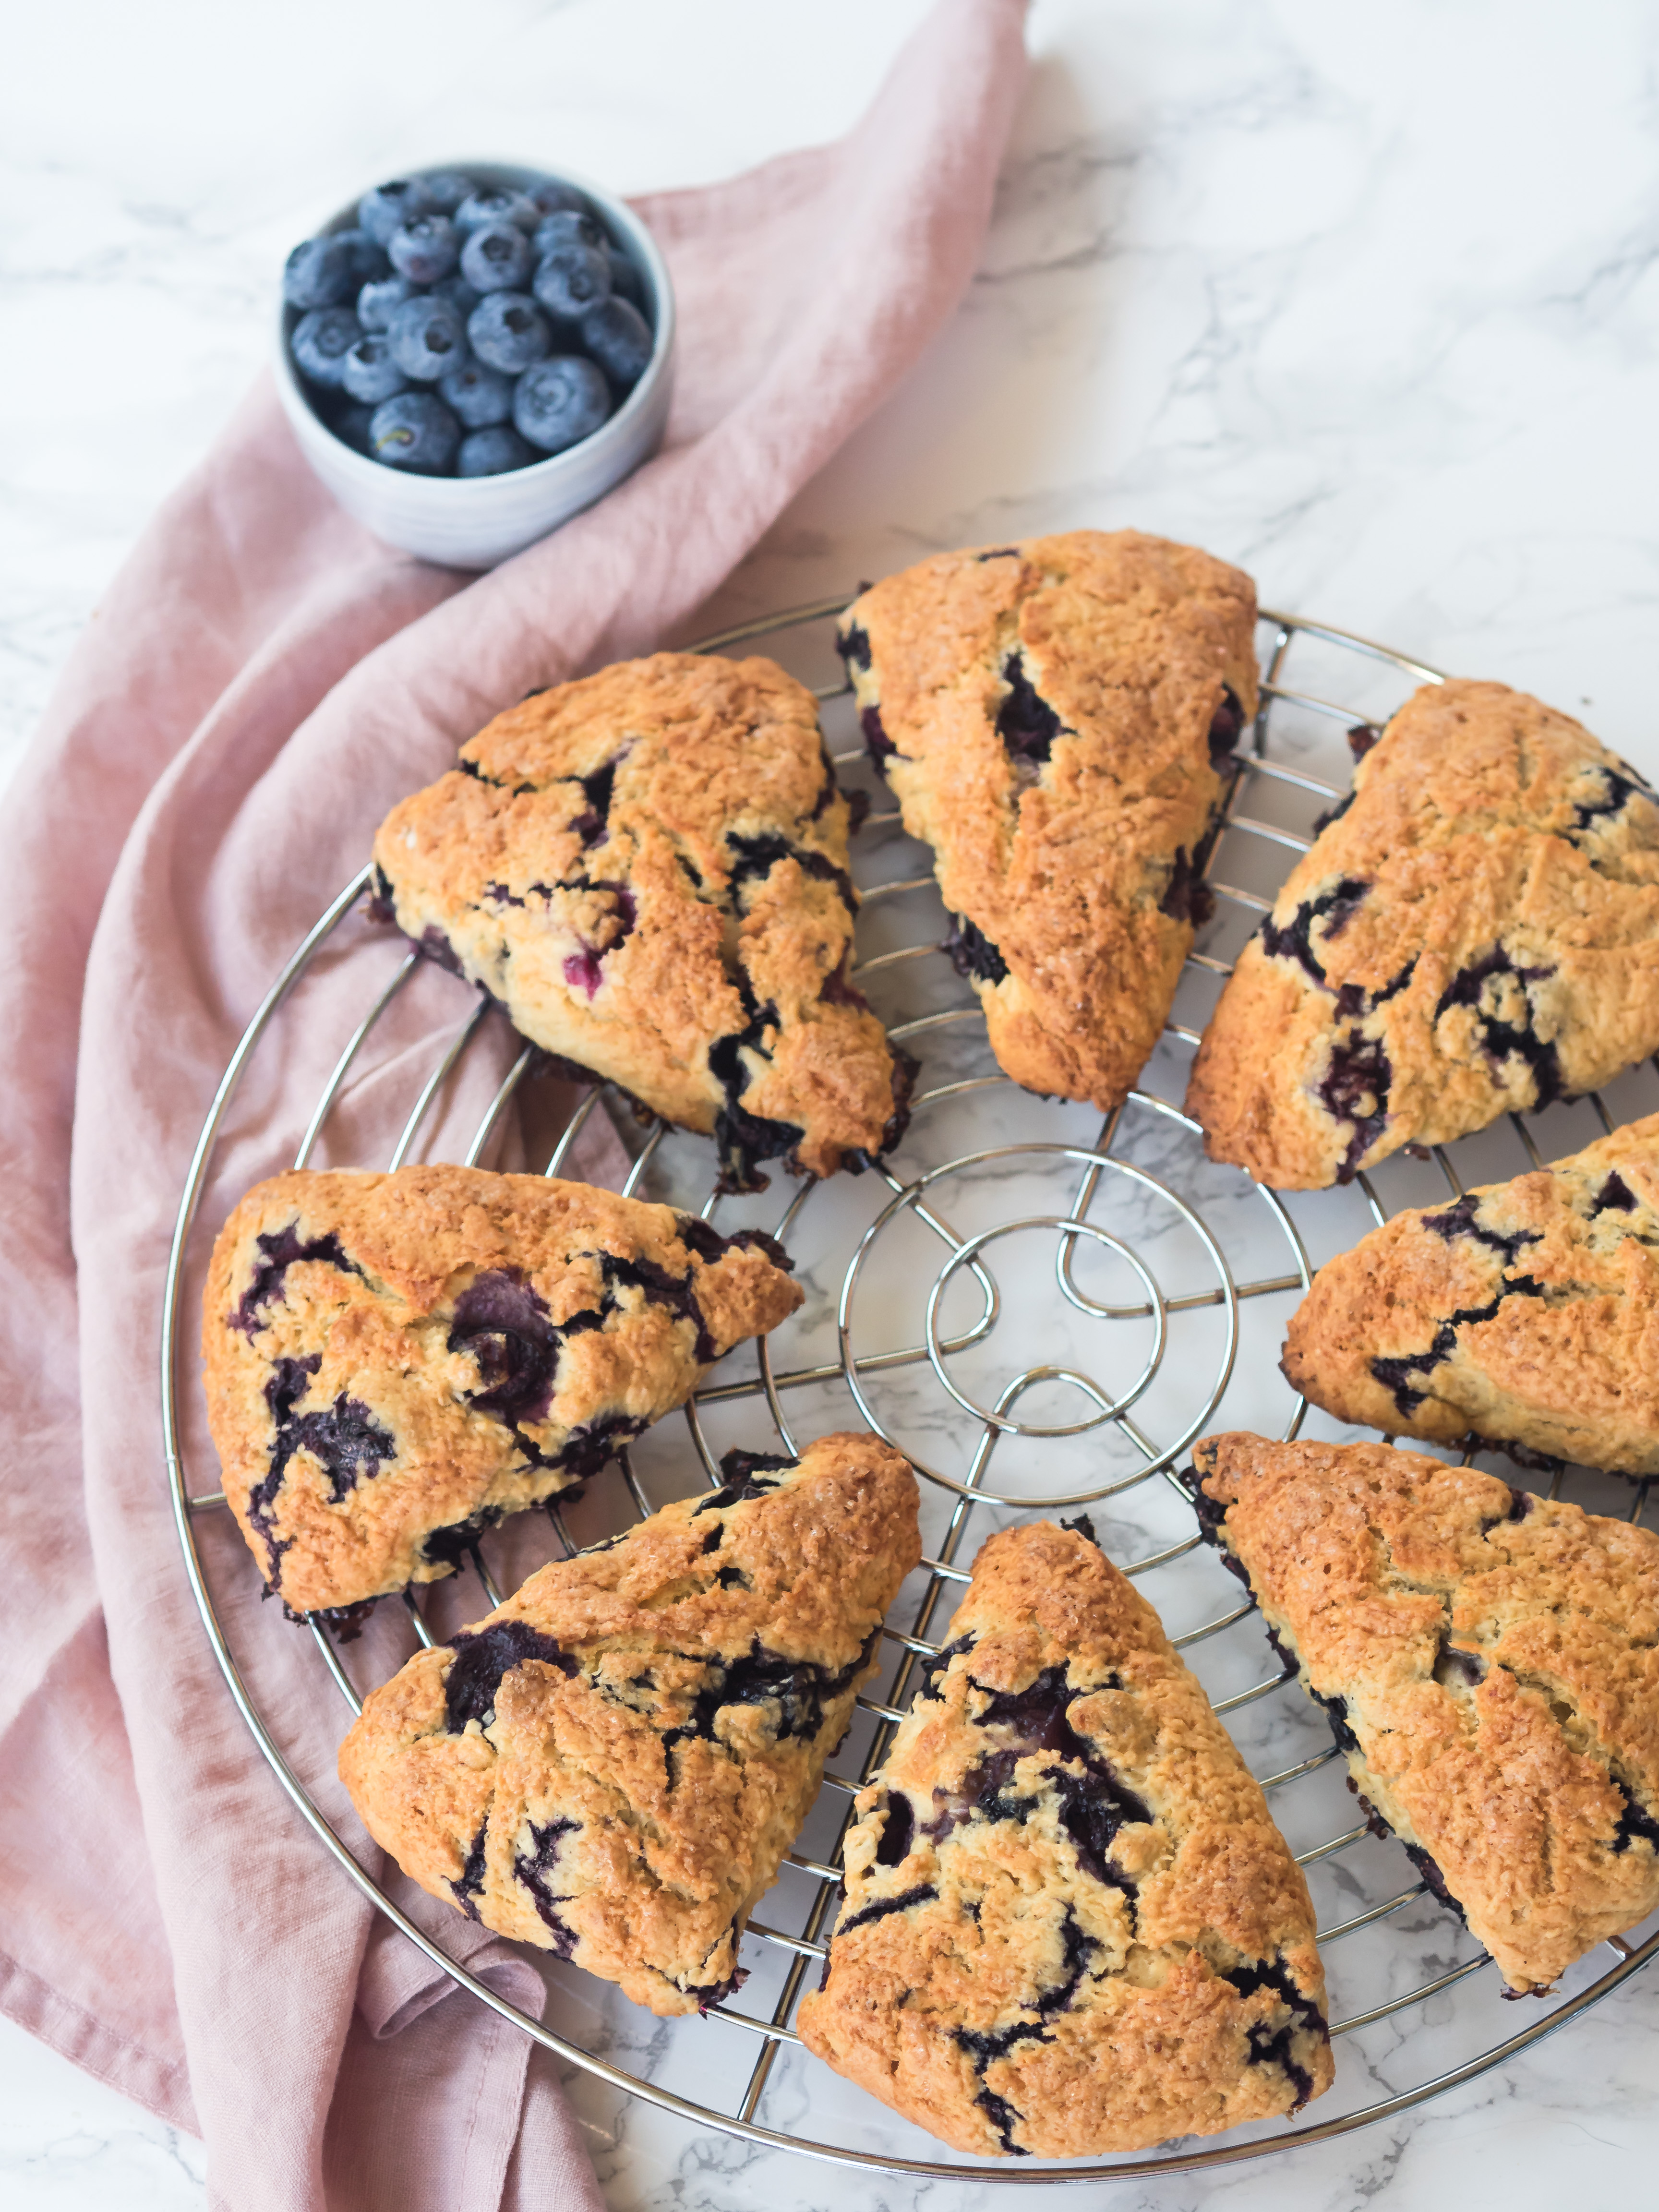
<point x="263" y="682"/>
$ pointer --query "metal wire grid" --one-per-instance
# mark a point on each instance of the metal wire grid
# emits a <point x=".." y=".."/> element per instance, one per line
<point x="1245" y="838"/>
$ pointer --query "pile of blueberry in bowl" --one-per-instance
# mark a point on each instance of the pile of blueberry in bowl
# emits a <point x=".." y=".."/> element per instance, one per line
<point x="466" y="326"/>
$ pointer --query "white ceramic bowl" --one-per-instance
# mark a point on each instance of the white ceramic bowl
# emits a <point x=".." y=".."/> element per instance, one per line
<point x="472" y="522"/>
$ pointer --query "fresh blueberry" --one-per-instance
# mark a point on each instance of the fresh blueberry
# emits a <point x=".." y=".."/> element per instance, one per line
<point x="443" y="191"/>
<point x="368" y="260"/>
<point x="571" y="279"/>
<point x="428" y="338"/>
<point x="491" y="452"/>
<point x="388" y="207"/>
<point x="381" y="299"/>
<point x="496" y="257"/>
<point x="350" y="426"/>
<point x="560" y="402"/>
<point x="619" y="338"/>
<point x="569" y="226"/>
<point x="425" y="249"/>
<point x="318" y="274"/>
<point x="552" y="197"/>
<point x="464" y="295"/>
<point x="626" y="278"/>
<point x="371" y="375"/>
<point x="508" y="331"/>
<point x="321" y="342"/>
<point x="415" y="430"/>
<point x="490" y="204"/>
<point x="478" y="395"/>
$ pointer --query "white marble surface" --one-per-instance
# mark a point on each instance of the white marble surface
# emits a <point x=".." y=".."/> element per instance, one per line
<point x="1364" y="300"/>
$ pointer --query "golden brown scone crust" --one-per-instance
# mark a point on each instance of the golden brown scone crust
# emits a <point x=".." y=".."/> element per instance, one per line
<point x="1526" y="1313"/>
<point x="395" y="1361"/>
<point x="1478" y="931"/>
<point x="1074" y="871"/>
<point x="1496" y="1656"/>
<point x="1070" y="1926"/>
<point x="613" y="1763"/>
<point x="649" y="869"/>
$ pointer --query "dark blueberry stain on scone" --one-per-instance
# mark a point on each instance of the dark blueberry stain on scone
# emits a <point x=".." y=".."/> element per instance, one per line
<point x="458" y="1543"/>
<point x="535" y="1868"/>
<point x="853" y="645"/>
<point x="928" y="1673"/>
<point x="344" y="1439"/>
<point x="1026" y="723"/>
<point x="744" y="1139"/>
<point x="757" y="856"/>
<point x="1458" y="1668"/>
<point x="972" y="953"/>
<point x="1226" y="726"/>
<point x="468" y="1884"/>
<point x="434" y="945"/>
<point x="1615" y="1196"/>
<point x="1458" y="1220"/>
<point x="743" y="1476"/>
<point x="883" y="1907"/>
<point x="1618" y="786"/>
<point x="503" y="1323"/>
<point x="799" y="1689"/>
<point x="1272" y="2047"/>
<point x="1334" y="907"/>
<point x="279" y="1251"/>
<point x="899" y="1830"/>
<point x="985" y="2046"/>
<point x="481" y="1663"/>
<point x="1401" y="1373"/>
<point x="1500" y="1038"/>
<point x="1634" y="1821"/>
<point x="591" y="824"/>
<point x="1187" y="896"/>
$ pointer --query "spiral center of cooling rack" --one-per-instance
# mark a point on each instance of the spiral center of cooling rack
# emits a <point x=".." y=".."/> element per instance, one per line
<point x="1068" y="1232"/>
<point x="1111" y="1344"/>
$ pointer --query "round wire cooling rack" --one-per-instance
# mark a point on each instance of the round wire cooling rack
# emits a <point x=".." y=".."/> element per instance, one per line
<point x="1021" y="1285"/>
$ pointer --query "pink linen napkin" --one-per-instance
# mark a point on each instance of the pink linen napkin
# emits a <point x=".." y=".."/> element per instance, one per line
<point x="262" y="682"/>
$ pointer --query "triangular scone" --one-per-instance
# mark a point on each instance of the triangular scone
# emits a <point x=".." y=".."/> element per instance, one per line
<point x="1476" y="930"/>
<point x="613" y="1765"/>
<point x="1525" y="1313"/>
<point x="648" y="868"/>
<point x="1055" y="718"/>
<point x="1489" y="1663"/>
<point x="396" y="1361"/>
<point x="1070" y="1926"/>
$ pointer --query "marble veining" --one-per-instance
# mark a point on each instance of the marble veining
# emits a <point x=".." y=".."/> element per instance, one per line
<point x="1369" y="304"/>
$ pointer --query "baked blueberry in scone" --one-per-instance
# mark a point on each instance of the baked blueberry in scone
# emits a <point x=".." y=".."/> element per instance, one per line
<point x="1525" y="1313"/>
<point x="648" y="870"/>
<point x="1056" y="719"/>
<point x="396" y="1361"/>
<point x="613" y="1765"/>
<point x="1489" y="1663"/>
<point x="1070" y="1925"/>
<point x="1477" y="931"/>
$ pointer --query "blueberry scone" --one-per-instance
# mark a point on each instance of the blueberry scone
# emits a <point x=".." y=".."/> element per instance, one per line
<point x="1489" y="1663"/>
<point x="396" y="1361"/>
<point x="648" y="870"/>
<point x="1526" y="1313"/>
<point x="613" y="1765"/>
<point x="1070" y="1926"/>
<point x="1476" y="931"/>
<point x="1055" y="718"/>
